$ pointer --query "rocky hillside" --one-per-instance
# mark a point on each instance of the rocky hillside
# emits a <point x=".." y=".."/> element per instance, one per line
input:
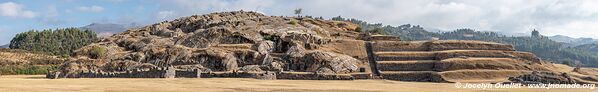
<point x="228" y="41"/>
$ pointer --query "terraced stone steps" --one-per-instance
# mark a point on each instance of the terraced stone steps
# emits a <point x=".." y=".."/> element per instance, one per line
<point x="440" y="60"/>
<point x="439" y="45"/>
<point x="421" y="65"/>
<point x="402" y="56"/>
<point x="446" y="54"/>
<point x="452" y="76"/>
<point x="480" y="75"/>
<point x="383" y="38"/>
<point x="418" y="76"/>
<point x="400" y="46"/>
<point x="414" y="65"/>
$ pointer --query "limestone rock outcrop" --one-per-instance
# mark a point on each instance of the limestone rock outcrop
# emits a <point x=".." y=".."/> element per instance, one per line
<point x="223" y="42"/>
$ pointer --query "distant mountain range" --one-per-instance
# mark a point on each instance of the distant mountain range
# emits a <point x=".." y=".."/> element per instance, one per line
<point x="573" y="41"/>
<point x="4" y="46"/>
<point x="107" y="29"/>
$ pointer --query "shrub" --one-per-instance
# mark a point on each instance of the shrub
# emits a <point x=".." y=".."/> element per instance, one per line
<point x="358" y="29"/>
<point x="268" y="37"/>
<point x="97" y="52"/>
<point x="293" y="22"/>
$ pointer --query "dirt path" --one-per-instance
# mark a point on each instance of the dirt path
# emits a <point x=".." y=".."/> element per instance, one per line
<point x="36" y="83"/>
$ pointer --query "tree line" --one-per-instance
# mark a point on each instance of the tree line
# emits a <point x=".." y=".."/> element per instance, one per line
<point x="60" y="42"/>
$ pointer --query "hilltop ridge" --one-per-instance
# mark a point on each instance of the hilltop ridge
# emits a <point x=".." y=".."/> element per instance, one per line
<point x="227" y="41"/>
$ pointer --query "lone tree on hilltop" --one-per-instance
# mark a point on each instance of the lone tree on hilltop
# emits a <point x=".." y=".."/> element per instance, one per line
<point x="298" y="12"/>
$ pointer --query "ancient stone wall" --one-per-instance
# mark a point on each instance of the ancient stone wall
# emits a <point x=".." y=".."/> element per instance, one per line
<point x="152" y="73"/>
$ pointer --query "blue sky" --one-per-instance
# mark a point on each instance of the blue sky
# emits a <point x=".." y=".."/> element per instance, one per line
<point x="575" y="18"/>
<point x="51" y="14"/>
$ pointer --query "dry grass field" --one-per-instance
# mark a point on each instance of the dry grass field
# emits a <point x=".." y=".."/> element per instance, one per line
<point x="36" y="83"/>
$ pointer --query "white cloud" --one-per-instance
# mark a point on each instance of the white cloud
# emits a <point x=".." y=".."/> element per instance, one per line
<point x="574" y="29"/>
<point x="12" y="9"/>
<point x="506" y="16"/>
<point x="93" y="8"/>
<point x="52" y="11"/>
<point x="28" y="14"/>
<point x="51" y="17"/>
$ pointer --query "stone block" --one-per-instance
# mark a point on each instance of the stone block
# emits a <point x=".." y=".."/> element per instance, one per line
<point x="170" y="72"/>
<point x="267" y="76"/>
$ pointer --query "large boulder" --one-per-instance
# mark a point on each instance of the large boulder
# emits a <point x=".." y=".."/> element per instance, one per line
<point x="329" y="62"/>
<point x="251" y="68"/>
<point x="264" y="47"/>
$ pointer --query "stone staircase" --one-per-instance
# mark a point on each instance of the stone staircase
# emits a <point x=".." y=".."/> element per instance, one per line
<point x="398" y="62"/>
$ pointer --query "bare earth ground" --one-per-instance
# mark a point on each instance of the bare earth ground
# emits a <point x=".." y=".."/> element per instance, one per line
<point x="37" y="83"/>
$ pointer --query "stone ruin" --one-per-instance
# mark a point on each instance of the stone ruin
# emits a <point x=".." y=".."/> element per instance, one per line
<point x="449" y="60"/>
<point x="165" y="72"/>
<point x="252" y="45"/>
